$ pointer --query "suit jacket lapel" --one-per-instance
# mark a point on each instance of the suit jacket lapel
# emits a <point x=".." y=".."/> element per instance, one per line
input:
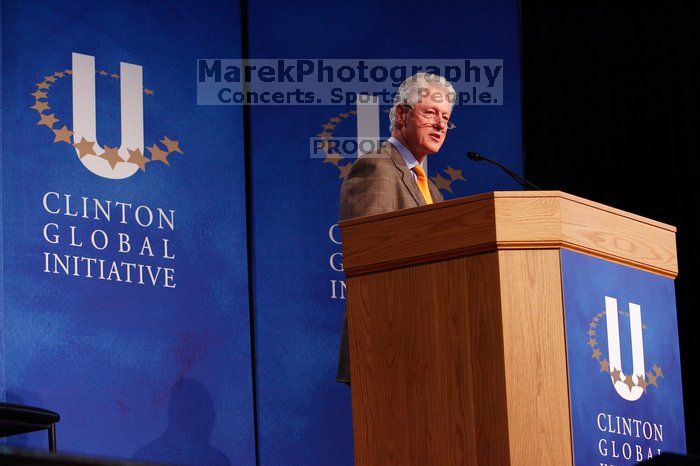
<point x="435" y="192"/>
<point x="407" y="175"/>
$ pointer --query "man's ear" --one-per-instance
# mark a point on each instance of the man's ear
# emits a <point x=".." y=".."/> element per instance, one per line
<point x="400" y="115"/>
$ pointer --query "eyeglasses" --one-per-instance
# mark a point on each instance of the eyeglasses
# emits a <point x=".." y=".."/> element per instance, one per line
<point x="432" y="116"/>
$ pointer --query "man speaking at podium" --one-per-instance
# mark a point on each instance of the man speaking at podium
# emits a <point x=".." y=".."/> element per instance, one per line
<point x="393" y="178"/>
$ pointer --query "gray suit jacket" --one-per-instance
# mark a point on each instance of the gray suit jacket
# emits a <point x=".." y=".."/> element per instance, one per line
<point x="377" y="183"/>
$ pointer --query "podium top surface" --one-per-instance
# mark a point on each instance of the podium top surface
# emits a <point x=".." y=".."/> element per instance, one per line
<point x="507" y="220"/>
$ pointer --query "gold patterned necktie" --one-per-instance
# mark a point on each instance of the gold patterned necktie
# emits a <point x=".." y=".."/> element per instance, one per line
<point x="422" y="181"/>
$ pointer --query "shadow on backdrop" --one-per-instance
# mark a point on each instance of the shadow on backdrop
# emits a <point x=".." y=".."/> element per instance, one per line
<point x="186" y="439"/>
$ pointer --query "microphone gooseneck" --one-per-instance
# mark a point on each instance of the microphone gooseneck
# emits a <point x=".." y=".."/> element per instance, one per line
<point x="475" y="156"/>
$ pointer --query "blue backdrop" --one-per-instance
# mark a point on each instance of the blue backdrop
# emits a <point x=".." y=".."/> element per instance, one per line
<point x="159" y="372"/>
<point x="304" y="415"/>
<point x="147" y="371"/>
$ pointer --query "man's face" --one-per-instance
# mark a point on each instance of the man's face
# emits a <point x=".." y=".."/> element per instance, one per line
<point x="424" y="124"/>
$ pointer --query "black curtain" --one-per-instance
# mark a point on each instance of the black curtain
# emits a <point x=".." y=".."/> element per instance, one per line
<point x="610" y="113"/>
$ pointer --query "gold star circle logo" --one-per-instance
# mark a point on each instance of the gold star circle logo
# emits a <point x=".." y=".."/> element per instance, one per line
<point x="643" y="380"/>
<point x="84" y="147"/>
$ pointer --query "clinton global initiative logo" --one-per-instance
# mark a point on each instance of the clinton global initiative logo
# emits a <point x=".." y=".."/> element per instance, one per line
<point x="629" y="384"/>
<point x="108" y="162"/>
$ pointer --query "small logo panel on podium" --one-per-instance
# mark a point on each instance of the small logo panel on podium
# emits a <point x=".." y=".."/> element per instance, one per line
<point x="624" y="364"/>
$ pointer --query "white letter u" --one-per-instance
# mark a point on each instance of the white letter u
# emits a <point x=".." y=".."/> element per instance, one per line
<point x="634" y="392"/>
<point x="85" y="115"/>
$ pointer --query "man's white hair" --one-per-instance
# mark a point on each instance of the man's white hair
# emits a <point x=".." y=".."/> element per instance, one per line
<point x="415" y="87"/>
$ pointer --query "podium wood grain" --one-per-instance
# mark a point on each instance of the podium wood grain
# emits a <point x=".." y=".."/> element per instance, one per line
<point x="508" y="220"/>
<point x="426" y="347"/>
<point x="455" y="311"/>
<point x="535" y="357"/>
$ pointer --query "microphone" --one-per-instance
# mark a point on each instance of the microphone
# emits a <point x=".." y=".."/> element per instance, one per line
<point x="475" y="156"/>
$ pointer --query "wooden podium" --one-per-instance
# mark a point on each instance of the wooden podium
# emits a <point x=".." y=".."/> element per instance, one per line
<point x="457" y="335"/>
